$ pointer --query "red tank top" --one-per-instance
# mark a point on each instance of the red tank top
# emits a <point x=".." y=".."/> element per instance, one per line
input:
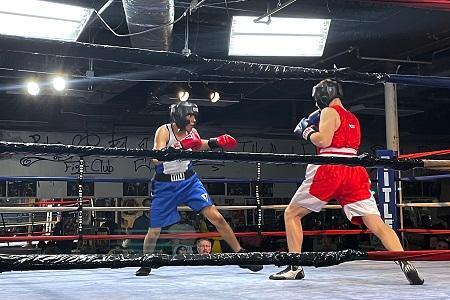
<point x="348" y="135"/>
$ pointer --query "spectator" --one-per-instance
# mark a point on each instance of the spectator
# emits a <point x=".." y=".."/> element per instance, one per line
<point x="65" y="226"/>
<point x="140" y="226"/>
<point x="442" y="244"/>
<point x="204" y="246"/>
<point x="182" y="249"/>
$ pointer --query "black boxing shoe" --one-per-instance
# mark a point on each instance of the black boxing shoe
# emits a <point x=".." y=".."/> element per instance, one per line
<point x="253" y="268"/>
<point x="143" y="271"/>
<point x="411" y="273"/>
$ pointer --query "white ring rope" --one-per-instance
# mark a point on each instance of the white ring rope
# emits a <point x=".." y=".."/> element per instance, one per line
<point x="12" y="209"/>
<point x="440" y="204"/>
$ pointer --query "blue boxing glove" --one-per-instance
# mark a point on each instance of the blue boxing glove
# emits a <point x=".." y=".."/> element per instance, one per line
<point x="308" y="125"/>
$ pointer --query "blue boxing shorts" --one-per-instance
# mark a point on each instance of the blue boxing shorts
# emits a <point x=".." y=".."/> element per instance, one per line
<point x="168" y="195"/>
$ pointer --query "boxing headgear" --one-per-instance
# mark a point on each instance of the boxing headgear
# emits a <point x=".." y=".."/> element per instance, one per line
<point x="179" y="112"/>
<point x="325" y="91"/>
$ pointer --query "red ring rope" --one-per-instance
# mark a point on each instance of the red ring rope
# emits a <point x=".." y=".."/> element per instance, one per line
<point x="195" y="235"/>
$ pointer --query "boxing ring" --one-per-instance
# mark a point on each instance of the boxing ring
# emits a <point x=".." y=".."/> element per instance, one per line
<point x="363" y="275"/>
<point x="353" y="280"/>
<point x="339" y="279"/>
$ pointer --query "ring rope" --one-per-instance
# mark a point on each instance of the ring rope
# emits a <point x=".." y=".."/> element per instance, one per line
<point x="93" y="261"/>
<point x="365" y="159"/>
<point x="33" y="209"/>
<point x="316" y="259"/>
<point x="206" y="180"/>
<point x="425" y="154"/>
<point x="196" y="235"/>
<point x="438" y="204"/>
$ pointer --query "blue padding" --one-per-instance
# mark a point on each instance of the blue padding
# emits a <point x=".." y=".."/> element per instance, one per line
<point x="86" y="179"/>
<point x="91" y="179"/>
<point x="429" y="81"/>
<point x="250" y="180"/>
<point x="426" y="178"/>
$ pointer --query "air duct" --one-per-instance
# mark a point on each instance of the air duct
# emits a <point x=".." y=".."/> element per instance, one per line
<point x="142" y="15"/>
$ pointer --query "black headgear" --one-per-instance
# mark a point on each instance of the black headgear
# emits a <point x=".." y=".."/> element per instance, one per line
<point x="325" y="91"/>
<point x="179" y="111"/>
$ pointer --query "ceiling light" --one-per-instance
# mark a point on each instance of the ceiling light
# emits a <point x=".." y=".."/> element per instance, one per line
<point x="183" y="95"/>
<point x="33" y="88"/>
<point x="279" y="37"/>
<point x="43" y="19"/>
<point x="214" y="96"/>
<point x="59" y="84"/>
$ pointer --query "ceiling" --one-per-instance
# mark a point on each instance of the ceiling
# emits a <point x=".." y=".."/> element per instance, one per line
<point x="117" y="84"/>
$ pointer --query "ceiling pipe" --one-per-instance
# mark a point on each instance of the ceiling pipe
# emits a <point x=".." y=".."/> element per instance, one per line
<point x="275" y="10"/>
<point x="395" y="60"/>
<point x="424" y="4"/>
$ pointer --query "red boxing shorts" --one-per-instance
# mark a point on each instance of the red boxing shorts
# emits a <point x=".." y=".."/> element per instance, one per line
<point x="350" y="186"/>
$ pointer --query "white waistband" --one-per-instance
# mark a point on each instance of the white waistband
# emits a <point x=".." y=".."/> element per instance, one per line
<point x="342" y="151"/>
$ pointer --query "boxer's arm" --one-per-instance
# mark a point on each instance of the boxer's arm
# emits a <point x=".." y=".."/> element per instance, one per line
<point x="329" y="123"/>
<point x="160" y="141"/>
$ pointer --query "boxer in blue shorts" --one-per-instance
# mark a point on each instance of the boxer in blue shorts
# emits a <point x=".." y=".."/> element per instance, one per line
<point x="176" y="183"/>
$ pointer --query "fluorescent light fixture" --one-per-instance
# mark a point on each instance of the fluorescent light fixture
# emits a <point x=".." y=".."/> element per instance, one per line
<point x="42" y="19"/>
<point x="279" y="37"/>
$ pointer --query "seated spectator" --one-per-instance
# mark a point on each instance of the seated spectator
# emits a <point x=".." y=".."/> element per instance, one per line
<point x="182" y="249"/>
<point x="183" y="226"/>
<point x="251" y="243"/>
<point x="204" y="246"/>
<point x="113" y="228"/>
<point x="65" y="226"/>
<point x="140" y="226"/>
<point x="442" y="244"/>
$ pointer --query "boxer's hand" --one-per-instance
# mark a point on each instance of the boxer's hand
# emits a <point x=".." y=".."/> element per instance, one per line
<point x="225" y="141"/>
<point x="308" y="125"/>
<point x="190" y="141"/>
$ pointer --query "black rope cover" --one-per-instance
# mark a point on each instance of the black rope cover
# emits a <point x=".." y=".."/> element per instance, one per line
<point x="95" y="261"/>
<point x="169" y="154"/>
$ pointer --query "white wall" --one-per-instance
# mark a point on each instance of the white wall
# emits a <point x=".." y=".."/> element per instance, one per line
<point x="107" y="167"/>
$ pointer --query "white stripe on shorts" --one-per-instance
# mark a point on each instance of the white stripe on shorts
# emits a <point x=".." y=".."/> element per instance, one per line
<point x="361" y="208"/>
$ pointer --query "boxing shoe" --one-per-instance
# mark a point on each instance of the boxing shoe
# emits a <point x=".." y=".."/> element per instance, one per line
<point x="290" y="273"/>
<point x="143" y="271"/>
<point x="253" y="268"/>
<point x="411" y="273"/>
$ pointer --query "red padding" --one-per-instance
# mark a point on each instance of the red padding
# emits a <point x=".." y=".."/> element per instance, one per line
<point x="196" y="235"/>
<point x="425" y="154"/>
<point x="425" y="231"/>
<point x="71" y="202"/>
<point x="424" y="255"/>
<point x="188" y="235"/>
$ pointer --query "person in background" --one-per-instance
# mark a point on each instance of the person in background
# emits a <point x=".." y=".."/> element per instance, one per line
<point x="140" y="226"/>
<point x="204" y="246"/>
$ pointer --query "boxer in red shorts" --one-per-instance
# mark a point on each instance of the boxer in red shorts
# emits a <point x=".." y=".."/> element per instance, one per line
<point x="335" y="131"/>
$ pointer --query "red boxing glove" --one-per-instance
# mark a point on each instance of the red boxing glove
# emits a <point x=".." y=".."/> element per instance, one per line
<point x="224" y="141"/>
<point x="191" y="141"/>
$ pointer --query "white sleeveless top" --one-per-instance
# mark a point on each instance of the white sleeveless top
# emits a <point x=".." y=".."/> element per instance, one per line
<point x="175" y="166"/>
